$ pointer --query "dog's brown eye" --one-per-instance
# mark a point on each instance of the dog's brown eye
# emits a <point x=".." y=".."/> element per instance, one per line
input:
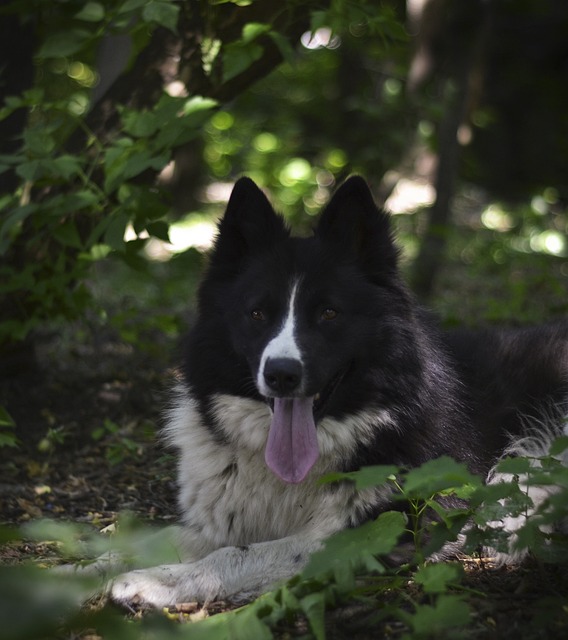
<point x="256" y="314"/>
<point x="329" y="314"/>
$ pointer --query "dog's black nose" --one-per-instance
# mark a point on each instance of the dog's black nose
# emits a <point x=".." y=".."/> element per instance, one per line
<point x="283" y="375"/>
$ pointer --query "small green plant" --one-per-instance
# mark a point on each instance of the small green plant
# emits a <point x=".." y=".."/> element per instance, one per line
<point x="118" y="445"/>
<point x="54" y="437"/>
<point x="424" y="600"/>
<point x="7" y="426"/>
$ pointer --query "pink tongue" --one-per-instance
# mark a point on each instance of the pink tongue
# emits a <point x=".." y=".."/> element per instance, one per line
<point x="292" y="446"/>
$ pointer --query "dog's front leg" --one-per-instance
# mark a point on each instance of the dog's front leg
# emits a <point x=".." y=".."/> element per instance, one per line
<point x="230" y="573"/>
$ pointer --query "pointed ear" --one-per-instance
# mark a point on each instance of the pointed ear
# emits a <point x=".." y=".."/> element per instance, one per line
<point x="353" y="221"/>
<point x="249" y="224"/>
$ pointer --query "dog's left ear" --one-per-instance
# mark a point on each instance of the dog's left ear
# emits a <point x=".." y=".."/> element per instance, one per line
<point x="353" y="221"/>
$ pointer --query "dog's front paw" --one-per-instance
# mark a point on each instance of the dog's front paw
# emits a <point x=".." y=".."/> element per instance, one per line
<point x="145" y="587"/>
<point x="167" y="585"/>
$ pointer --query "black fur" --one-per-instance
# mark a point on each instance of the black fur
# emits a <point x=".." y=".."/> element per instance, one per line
<point x="461" y="394"/>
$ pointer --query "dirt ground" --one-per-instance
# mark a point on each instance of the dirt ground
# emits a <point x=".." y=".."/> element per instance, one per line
<point x="87" y="419"/>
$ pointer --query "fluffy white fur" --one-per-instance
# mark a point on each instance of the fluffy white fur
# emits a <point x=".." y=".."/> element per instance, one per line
<point x="534" y="445"/>
<point x="243" y="528"/>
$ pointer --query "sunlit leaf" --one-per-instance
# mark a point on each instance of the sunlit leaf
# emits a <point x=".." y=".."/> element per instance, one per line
<point x="253" y="30"/>
<point x="91" y="12"/>
<point x="162" y="12"/>
<point x="437" y="475"/>
<point x="238" y="57"/>
<point x="198" y="104"/>
<point x="64" y="43"/>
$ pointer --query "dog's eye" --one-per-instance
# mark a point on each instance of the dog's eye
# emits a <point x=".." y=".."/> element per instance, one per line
<point x="329" y="314"/>
<point x="257" y="314"/>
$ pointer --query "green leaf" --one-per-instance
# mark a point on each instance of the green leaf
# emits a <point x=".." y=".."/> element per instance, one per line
<point x="198" y="104"/>
<point x="10" y="160"/>
<point x="64" y="43"/>
<point x="253" y="30"/>
<point x="164" y="13"/>
<point x="29" y="170"/>
<point x="515" y="466"/>
<point x="131" y="5"/>
<point x="435" y="578"/>
<point x="438" y="475"/>
<point x="239" y="3"/>
<point x="559" y="446"/>
<point x="287" y="51"/>
<point x="318" y="20"/>
<point x="11" y="224"/>
<point x="364" y="478"/>
<point x="140" y="123"/>
<point x="67" y="166"/>
<point x="8" y="440"/>
<point x="352" y="548"/>
<point x="373" y="476"/>
<point x="159" y="229"/>
<point x="248" y="625"/>
<point x="114" y="234"/>
<point x="91" y="12"/>
<point x="313" y="605"/>
<point x="83" y="199"/>
<point x="238" y="57"/>
<point x="6" y="419"/>
<point x="449" y="611"/>
<point x="68" y="235"/>
<point x="139" y="162"/>
<point x="38" y="141"/>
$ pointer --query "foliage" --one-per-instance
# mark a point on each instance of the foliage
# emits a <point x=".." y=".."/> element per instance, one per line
<point x="118" y="445"/>
<point x="7" y="437"/>
<point x="297" y="142"/>
<point x="71" y="208"/>
<point x="427" y="599"/>
<point x="85" y="170"/>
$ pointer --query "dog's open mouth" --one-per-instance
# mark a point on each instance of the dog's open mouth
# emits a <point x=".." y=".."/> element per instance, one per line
<point x="321" y="400"/>
<point x="292" y="446"/>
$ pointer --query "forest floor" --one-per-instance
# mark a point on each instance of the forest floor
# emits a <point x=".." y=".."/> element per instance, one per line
<point x="87" y="420"/>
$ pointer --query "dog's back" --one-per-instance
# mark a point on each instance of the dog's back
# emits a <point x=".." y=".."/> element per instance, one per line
<point x="515" y="379"/>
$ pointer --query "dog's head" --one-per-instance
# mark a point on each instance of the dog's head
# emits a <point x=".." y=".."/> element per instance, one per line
<point x="295" y="320"/>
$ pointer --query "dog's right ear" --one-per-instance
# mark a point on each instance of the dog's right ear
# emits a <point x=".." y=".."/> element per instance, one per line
<point x="249" y="225"/>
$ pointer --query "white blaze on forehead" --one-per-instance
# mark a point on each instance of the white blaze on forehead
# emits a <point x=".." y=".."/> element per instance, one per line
<point x="284" y="344"/>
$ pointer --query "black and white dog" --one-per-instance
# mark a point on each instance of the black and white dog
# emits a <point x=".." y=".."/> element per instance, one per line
<point x="309" y="355"/>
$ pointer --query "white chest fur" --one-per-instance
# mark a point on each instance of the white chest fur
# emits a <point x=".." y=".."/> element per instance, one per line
<point x="228" y="496"/>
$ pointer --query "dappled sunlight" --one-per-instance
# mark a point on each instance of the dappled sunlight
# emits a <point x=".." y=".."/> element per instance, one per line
<point x="322" y="38"/>
<point x="409" y="195"/>
<point x="193" y="232"/>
